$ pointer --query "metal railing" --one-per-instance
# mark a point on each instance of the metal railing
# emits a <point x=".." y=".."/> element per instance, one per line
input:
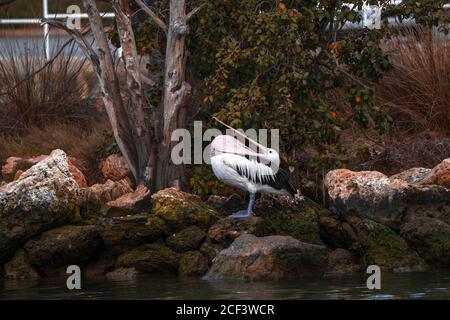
<point x="47" y="15"/>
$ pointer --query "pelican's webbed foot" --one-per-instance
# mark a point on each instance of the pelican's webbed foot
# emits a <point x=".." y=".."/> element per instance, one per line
<point x="242" y="214"/>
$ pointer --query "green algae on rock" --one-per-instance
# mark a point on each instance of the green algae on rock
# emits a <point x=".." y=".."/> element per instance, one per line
<point x="298" y="218"/>
<point x="180" y="209"/>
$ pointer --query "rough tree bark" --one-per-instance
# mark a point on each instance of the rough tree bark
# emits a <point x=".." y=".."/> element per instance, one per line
<point x="142" y="132"/>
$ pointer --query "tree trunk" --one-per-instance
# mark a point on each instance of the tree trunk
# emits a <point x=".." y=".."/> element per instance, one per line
<point x="175" y="95"/>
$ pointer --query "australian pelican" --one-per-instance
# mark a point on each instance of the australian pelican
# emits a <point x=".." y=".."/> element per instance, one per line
<point x="253" y="171"/>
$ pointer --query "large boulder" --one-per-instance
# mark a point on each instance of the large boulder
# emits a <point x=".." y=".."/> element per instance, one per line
<point x="180" y="209"/>
<point x="265" y="258"/>
<point x="16" y="166"/>
<point x="114" y="168"/>
<point x="64" y="246"/>
<point x="45" y="196"/>
<point x="122" y="233"/>
<point x="373" y="195"/>
<point x="150" y="258"/>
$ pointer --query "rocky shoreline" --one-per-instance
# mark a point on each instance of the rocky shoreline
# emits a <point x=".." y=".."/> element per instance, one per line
<point x="50" y="218"/>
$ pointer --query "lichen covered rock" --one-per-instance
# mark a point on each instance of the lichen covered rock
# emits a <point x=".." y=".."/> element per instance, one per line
<point x="180" y="209"/>
<point x="45" y="196"/>
<point x="150" y="258"/>
<point x="272" y="257"/>
<point x="439" y="175"/>
<point x="413" y="175"/>
<point x="186" y="240"/>
<point x="373" y="195"/>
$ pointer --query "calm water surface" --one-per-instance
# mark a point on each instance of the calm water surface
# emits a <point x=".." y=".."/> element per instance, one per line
<point x="424" y="285"/>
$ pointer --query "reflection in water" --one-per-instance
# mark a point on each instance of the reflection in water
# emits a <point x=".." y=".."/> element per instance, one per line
<point x="425" y="285"/>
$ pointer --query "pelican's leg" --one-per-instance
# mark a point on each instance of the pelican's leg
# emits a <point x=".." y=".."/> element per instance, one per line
<point x="248" y="212"/>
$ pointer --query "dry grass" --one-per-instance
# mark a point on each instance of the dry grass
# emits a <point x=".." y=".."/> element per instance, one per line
<point x="82" y="144"/>
<point x="59" y="93"/>
<point x="418" y="88"/>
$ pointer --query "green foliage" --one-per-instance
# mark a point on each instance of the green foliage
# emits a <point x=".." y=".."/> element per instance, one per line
<point x="273" y="64"/>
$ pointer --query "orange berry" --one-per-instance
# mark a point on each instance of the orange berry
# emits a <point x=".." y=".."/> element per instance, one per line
<point x="281" y="6"/>
<point x="358" y="99"/>
<point x="333" y="115"/>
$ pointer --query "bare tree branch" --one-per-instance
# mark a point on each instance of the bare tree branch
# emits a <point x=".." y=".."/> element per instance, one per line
<point x="191" y="14"/>
<point x="78" y="37"/>
<point x="152" y="15"/>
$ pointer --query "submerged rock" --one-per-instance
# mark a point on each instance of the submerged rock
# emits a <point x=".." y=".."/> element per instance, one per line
<point x="64" y="246"/>
<point x="186" y="240"/>
<point x="150" y="258"/>
<point x="45" y="196"/>
<point x="180" y="209"/>
<point x="19" y="267"/>
<point x="272" y="257"/>
<point x="193" y="263"/>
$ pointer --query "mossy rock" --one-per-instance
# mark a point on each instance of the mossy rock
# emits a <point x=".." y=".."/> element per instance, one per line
<point x="296" y="218"/>
<point x="180" y="209"/>
<point x="193" y="263"/>
<point x="64" y="246"/>
<point x="121" y="233"/>
<point x="378" y="244"/>
<point x="150" y="258"/>
<point x="430" y="237"/>
<point x="186" y="240"/>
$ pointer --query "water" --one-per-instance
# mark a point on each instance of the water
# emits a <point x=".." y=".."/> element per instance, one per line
<point x="424" y="285"/>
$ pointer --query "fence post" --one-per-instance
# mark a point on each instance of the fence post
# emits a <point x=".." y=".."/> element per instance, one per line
<point x="46" y="30"/>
